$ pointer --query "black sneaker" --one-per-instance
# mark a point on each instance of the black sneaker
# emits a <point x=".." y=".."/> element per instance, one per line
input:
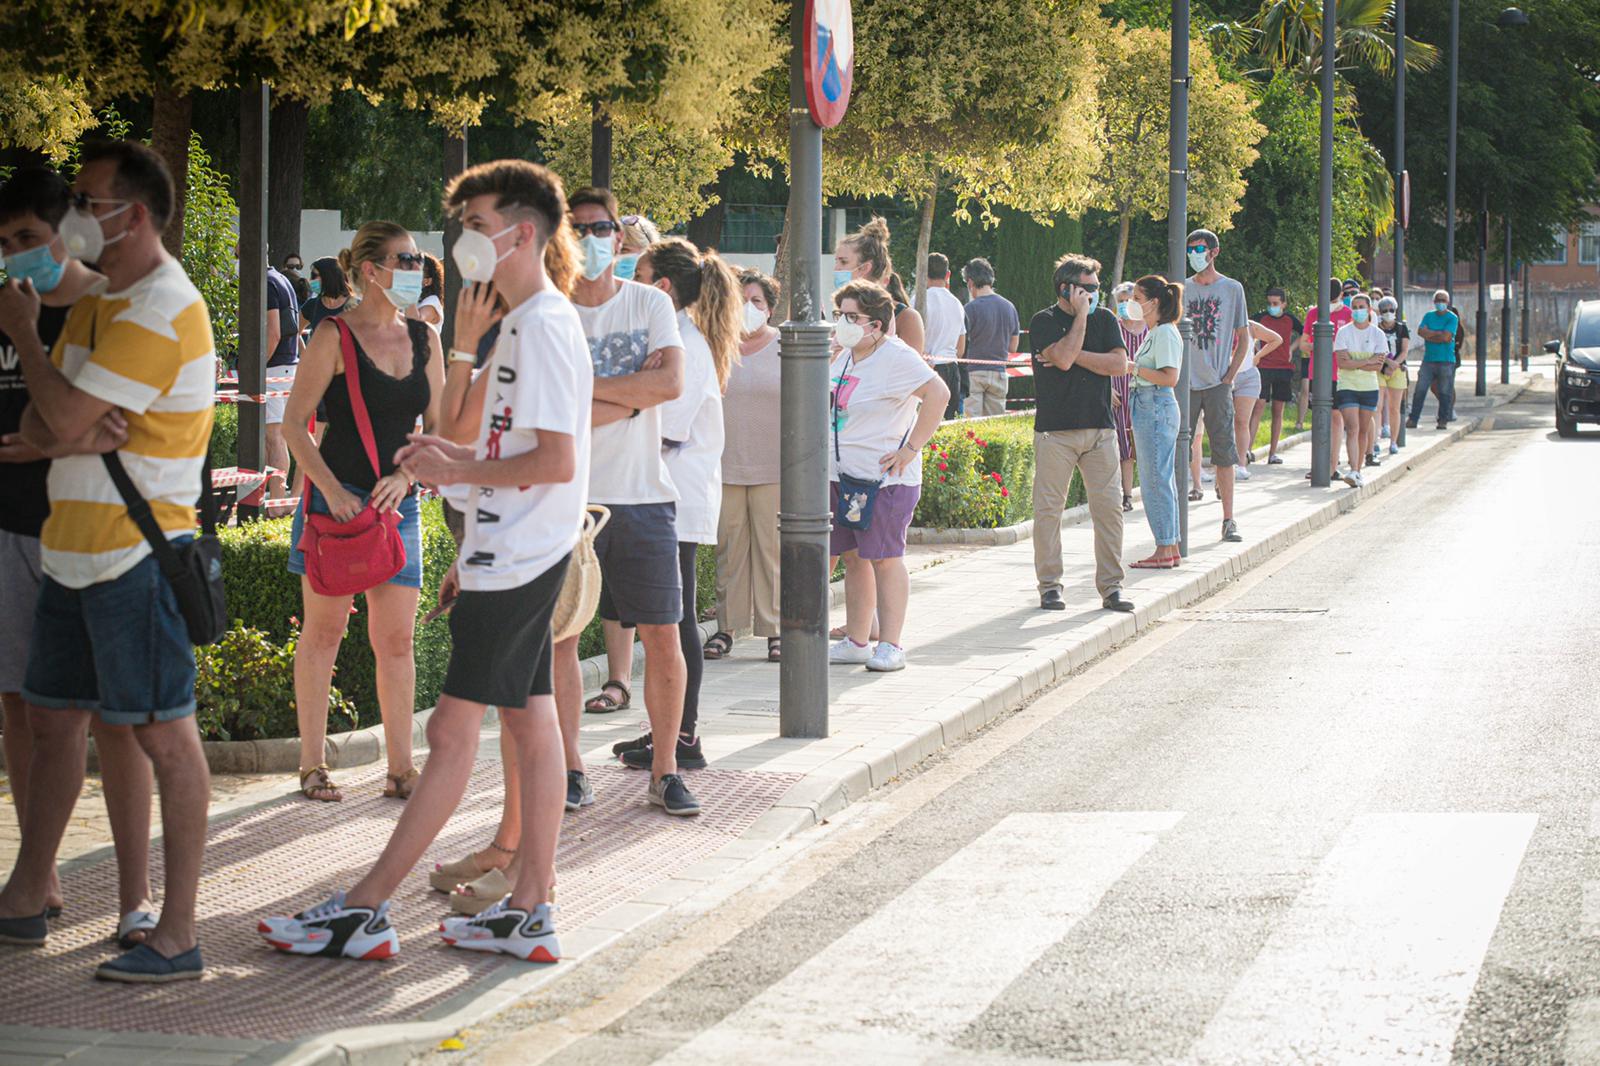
<point x="690" y="757"/>
<point x="670" y="794"/>
<point x="579" y="794"/>
<point x="623" y="746"/>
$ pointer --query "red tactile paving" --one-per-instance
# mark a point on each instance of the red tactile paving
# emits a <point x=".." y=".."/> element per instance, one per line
<point x="293" y="853"/>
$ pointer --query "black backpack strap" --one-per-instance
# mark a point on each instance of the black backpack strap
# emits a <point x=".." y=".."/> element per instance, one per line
<point x="139" y="509"/>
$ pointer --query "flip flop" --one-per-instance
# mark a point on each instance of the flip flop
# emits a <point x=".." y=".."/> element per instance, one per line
<point x="131" y="923"/>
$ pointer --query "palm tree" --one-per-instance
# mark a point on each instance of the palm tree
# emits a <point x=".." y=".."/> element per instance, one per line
<point x="1287" y="35"/>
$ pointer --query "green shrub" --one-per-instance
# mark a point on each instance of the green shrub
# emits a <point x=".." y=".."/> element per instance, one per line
<point x="225" y="436"/>
<point x="980" y="476"/>
<point x="244" y="689"/>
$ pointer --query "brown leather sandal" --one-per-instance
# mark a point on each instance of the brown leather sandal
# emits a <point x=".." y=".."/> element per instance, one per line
<point x="606" y="703"/>
<point x="315" y="784"/>
<point x="400" y="786"/>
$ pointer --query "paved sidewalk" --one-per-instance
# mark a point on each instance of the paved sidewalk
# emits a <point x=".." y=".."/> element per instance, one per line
<point x="978" y="648"/>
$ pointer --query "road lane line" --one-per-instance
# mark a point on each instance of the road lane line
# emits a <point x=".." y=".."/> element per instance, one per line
<point x="1378" y="956"/>
<point x="908" y="978"/>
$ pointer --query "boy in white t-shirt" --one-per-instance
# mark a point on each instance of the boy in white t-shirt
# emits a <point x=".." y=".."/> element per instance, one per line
<point x="637" y="352"/>
<point x="528" y="476"/>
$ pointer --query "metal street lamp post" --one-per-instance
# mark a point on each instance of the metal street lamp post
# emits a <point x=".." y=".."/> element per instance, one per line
<point x="1322" y="336"/>
<point x="1480" y="336"/>
<point x="1450" y="156"/>
<point x="1177" y="238"/>
<point x="1505" y="309"/>
<point x="1402" y="193"/>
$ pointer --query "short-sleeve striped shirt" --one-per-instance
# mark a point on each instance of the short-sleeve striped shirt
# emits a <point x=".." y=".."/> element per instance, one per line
<point x="148" y="351"/>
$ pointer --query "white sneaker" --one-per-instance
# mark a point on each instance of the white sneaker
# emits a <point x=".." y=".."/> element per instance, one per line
<point x="332" y="929"/>
<point x="849" y="652"/>
<point x="1350" y="477"/>
<point x="1206" y="476"/>
<point x="1242" y="473"/>
<point x="886" y="658"/>
<point x="504" y="930"/>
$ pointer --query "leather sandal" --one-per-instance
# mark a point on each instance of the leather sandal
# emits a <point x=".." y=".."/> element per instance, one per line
<point x="400" y="786"/>
<point x="718" y="646"/>
<point x="774" y="649"/>
<point x="315" y="784"/>
<point x="606" y="703"/>
<point x="447" y="875"/>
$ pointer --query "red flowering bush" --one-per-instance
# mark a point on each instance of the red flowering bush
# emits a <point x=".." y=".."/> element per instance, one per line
<point x="979" y="482"/>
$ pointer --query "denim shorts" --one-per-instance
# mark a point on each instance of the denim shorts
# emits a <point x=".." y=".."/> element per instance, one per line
<point x="638" y="552"/>
<point x="885" y="538"/>
<point x="1366" y="399"/>
<point x="119" y="648"/>
<point x="410" y="575"/>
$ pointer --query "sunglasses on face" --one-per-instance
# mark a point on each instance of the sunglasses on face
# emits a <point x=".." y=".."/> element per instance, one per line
<point x="1090" y="289"/>
<point x="407" y="260"/>
<point x="82" y="201"/>
<point x="1198" y="249"/>
<point x="604" y="228"/>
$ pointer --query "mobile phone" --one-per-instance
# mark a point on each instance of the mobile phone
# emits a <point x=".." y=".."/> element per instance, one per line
<point x="439" y="611"/>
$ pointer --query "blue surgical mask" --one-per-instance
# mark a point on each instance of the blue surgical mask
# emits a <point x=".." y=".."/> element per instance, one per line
<point x="1346" y="300"/>
<point x="1359" y="316"/>
<point x="1275" y="312"/>
<point x="316" y="286"/>
<point x="1197" y="259"/>
<point x="37" y="265"/>
<point x="597" y="255"/>
<point x="841" y="278"/>
<point x="1125" y="309"/>
<point x="1441" y="306"/>
<point x="405" y="289"/>
<point x="625" y="266"/>
<point x="1094" y="302"/>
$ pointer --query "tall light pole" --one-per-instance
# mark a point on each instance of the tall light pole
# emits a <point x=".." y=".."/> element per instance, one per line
<point x="1402" y="188"/>
<point x="1322" y="334"/>
<point x="1450" y="156"/>
<point x="1505" y="309"/>
<point x="1177" y="238"/>
<point x="1480" y="338"/>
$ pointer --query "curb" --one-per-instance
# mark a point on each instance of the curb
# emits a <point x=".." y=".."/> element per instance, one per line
<point x="823" y="794"/>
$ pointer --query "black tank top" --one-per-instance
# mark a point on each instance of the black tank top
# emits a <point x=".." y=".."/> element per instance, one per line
<point x="393" y="404"/>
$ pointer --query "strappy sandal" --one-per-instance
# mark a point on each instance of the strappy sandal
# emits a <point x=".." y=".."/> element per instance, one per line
<point x="447" y="875"/>
<point x="474" y="897"/>
<point x="1196" y="495"/>
<point x="606" y="703"/>
<point x="718" y="646"/>
<point x="131" y="923"/>
<point x="315" y="784"/>
<point x="1127" y="502"/>
<point x="774" y="650"/>
<point x="400" y="786"/>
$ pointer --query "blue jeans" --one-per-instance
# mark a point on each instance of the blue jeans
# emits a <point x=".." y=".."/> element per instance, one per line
<point x="1155" y="444"/>
<point x="1443" y="375"/>
<point x="410" y="575"/>
<point x="119" y="648"/>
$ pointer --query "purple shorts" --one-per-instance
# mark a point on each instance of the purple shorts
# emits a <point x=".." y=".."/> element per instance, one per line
<point x="891" y="517"/>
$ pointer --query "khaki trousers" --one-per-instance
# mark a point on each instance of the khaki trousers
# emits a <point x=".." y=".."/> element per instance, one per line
<point x="1057" y="454"/>
<point x="986" y="393"/>
<point x="747" y="560"/>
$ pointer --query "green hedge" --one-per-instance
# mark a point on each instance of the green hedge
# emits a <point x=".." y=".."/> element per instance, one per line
<point x="980" y="475"/>
<point x="225" y="436"/>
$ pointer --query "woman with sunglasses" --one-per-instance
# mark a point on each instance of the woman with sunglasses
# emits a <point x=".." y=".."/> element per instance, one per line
<point x="401" y="370"/>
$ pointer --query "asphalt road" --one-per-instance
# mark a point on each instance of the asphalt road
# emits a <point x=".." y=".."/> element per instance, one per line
<point x="1345" y="810"/>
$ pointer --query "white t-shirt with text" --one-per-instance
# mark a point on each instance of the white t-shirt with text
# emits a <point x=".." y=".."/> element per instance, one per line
<point x="947" y="323"/>
<point x="692" y="435"/>
<point x="872" y="407"/>
<point x="622" y="332"/>
<point x="539" y="378"/>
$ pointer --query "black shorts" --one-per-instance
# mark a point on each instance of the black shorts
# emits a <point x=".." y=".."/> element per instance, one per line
<point x="500" y="649"/>
<point x="1277" y="384"/>
<point x="638" y="552"/>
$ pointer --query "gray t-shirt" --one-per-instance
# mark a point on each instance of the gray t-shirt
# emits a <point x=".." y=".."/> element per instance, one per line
<point x="1215" y="311"/>
<point x="991" y="323"/>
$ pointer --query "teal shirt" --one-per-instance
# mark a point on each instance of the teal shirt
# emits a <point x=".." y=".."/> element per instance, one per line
<point x="1441" y="351"/>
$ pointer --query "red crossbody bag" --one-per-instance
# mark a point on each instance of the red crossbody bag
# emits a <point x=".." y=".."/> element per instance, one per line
<point x="344" y="558"/>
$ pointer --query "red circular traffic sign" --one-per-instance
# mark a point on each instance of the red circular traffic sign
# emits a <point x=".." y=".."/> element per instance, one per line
<point x="830" y="60"/>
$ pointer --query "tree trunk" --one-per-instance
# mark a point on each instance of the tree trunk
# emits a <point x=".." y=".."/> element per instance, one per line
<point x="705" y="230"/>
<point x="924" y="239"/>
<point x="169" y="135"/>
<point x="1124" y="219"/>
<point x="599" y="147"/>
<point x="286" y="179"/>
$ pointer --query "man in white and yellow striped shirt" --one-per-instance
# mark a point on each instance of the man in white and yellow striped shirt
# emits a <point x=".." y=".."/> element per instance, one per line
<point x="133" y="370"/>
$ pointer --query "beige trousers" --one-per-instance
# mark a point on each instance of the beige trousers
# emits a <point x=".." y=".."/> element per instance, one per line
<point x="986" y="393"/>
<point x="1056" y="455"/>
<point x="747" y="560"/>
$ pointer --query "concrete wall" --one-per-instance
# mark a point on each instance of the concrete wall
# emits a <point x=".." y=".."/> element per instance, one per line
<point x="323" y="234"/>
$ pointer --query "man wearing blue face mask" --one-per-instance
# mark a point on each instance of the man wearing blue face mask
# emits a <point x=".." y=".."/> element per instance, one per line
<point x="1438" y="330"/>
<point x="1220" y="342"/>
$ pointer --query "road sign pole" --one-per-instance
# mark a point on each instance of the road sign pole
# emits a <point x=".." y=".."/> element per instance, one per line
<point x="1177" y="238"/>
<point x="1322" y="457"/>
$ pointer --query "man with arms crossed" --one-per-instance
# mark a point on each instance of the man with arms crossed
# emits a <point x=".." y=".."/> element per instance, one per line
<point x="1221" y="332"/>
<point x="528" y="474"/>
<point x="134" y="364"/>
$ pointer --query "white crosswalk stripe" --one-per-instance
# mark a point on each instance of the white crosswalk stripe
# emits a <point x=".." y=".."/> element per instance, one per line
<point x="1377" y="958"/>
<point x="908" y="978"/>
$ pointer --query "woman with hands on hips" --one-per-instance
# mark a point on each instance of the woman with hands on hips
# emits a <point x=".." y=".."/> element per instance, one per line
<point x="401" y="369"/>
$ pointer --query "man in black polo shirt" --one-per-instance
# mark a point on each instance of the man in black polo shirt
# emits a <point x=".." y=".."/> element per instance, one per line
<point x="1077" y="348"/>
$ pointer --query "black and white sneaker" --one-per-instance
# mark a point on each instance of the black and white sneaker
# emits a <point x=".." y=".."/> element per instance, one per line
<point x="690" y="757"/>
<point x="673" y="796"/>
<point x="331" y="929"/>
<point x="579" y="794"/>
<point x="505" y="930"/>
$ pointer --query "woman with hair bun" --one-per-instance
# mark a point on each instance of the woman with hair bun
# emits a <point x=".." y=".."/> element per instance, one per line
<point x="864" y="256"/>
<point x="1154" y="370"/>
<point x="401" y="368"/>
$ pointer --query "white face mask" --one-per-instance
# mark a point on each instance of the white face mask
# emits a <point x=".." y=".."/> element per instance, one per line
<point x="754" y="317"/>
<point x="1199" y="260"/>
<point x="476" y="255"/>
<point x="83" y="237"/>
<point x="597" y="255"/>
<point x="405" y="289"/>
<point x="848" y="334"/>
